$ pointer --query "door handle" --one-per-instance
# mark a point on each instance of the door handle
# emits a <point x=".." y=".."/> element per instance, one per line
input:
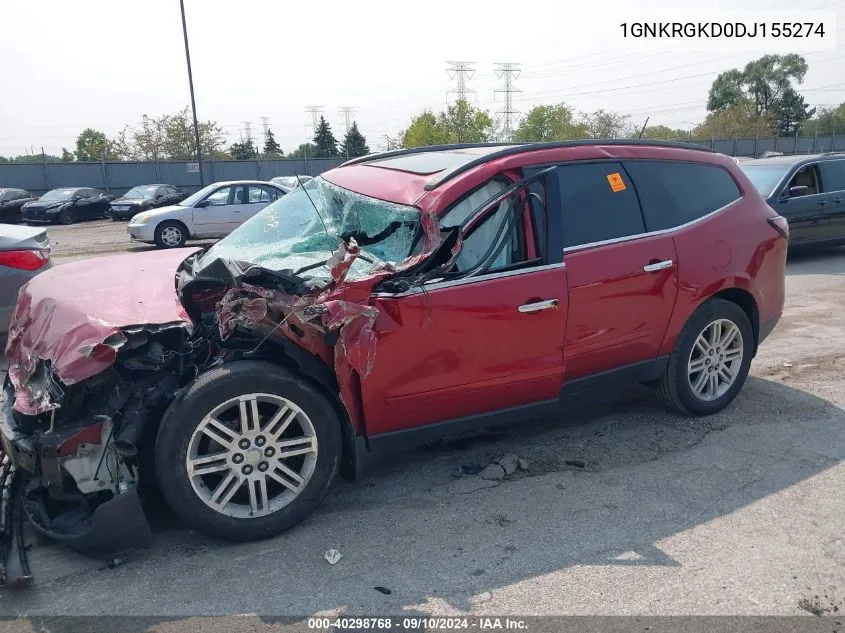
<point x="837" y="200"/>
<point x="650" y="268"/>
<point x="821" y="203"/>
<point x="537" y="306"/>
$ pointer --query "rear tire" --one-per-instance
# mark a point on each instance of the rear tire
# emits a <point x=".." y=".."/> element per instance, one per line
<point x="711" y="359"/>
<point x="267" y="492"/>
<point x="171" y="234"/>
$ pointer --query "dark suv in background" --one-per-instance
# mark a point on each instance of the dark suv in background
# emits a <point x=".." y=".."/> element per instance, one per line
<point x="808" y="190"/>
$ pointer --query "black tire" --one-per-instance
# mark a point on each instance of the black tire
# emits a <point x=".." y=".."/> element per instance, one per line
<point x="674" y="387"/>
<point x="171" y="224"/>
<point x="214" y="388"/>
<point x="67" y="217"/>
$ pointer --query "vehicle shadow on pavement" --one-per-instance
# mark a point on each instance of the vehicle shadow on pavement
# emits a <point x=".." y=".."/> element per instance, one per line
<point x="606" y="483"/>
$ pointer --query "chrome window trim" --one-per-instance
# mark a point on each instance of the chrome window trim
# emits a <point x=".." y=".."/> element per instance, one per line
<point x="639" y="236"/>
<point x="441" y="285"/>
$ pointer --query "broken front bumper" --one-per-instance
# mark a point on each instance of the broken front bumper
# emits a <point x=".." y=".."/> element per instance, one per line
<point x="99" y="530"/>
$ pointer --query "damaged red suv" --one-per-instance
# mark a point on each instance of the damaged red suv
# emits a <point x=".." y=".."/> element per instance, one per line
<point x="396" y="299"/>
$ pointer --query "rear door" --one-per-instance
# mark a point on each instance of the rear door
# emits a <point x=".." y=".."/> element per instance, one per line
<point x="622" y="280"/>
<point x="833" y="188"/>
<point x="470" y="346"/>
<point x="257" y="197"/>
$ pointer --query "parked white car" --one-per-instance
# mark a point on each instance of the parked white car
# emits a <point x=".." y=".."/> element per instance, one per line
<point x="212" y="212"/>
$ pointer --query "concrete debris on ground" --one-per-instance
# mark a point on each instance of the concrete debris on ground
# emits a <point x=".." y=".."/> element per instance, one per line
<point x="523" y="464"/>
<point x="493" y="472"/>
<point x="333" y="556"/>
<point x="509" y="462"/>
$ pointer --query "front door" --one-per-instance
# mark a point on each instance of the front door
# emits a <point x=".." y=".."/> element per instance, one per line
<point x="806" y="213"/>
<point x="216" y="217"/>
<point x="833" y="187"/>
<point x="470" y="346"/>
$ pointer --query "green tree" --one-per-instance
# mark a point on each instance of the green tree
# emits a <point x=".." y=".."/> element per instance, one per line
<point x="243" y="150"/>
<point x="549" y="123"/>
<point x="764" y="83"/>
<point x="354" y="144"/>
<point x="791" y="111"/>
<point x="169" y="137"/>
<point x="91" y="144"/>
<point x="423" y="131"/>
<point x="607" y="124"/>
<point x="67" y="157"/>
<point x="271" y="147"/>
<point x="663" y="133"/>
<point x="305" y="150"/>
<point x="4" y="160"/>
<point x="827" y="121"/>
<point x="324" y="140"/>
<point x="738" y="121"/>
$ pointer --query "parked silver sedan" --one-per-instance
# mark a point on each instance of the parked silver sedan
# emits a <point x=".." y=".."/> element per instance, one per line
<point x="212" y="212"/>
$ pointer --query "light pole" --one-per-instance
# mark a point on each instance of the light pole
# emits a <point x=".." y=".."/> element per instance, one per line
<point x="191" y="85"/>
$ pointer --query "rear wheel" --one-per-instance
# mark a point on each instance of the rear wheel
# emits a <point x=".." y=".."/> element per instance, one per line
<point x="710" y="361"/>
<point x="250" y="451"/>
<point x="68" y="216"/>
<point x="171" y="234"/>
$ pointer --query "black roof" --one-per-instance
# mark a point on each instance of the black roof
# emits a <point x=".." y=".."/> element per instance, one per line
<point x="447" y="161"/>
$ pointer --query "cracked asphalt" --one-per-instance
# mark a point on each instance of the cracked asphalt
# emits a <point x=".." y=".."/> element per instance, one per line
<point x="625" y="509"/>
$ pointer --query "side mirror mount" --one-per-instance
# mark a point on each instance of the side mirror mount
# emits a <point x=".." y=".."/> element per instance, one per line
<point x="202" y="204"/>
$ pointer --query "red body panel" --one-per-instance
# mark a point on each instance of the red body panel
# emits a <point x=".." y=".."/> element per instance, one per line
<point x="466" y="349"/>
<point x="618" y="313"/>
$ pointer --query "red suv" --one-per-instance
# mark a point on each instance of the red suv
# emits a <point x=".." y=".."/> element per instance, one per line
<point x="396" y="299"/>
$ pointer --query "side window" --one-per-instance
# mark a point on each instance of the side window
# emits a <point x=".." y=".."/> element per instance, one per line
<point x="833" y="175"/>
<point x="807" y="176"/>
<point x="598" y="203"/>
<point x="674" y="193"/>
<point x="261" y="194"/>
<point x="480" y="235"/>
<point x="220" y="197"/>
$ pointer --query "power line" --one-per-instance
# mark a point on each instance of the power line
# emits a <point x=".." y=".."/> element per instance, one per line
<point x="460" y="72"/>
<point x="507" y="71"/>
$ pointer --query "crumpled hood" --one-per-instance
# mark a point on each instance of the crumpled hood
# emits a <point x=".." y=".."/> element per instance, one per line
<point x="38" y="205"/>
<point x="72" y="316"/>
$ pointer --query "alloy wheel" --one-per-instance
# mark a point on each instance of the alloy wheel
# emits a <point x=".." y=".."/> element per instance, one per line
<point x="171" y="236"/>
<point x="251" y="455"/>
<point x="715" y="360"/>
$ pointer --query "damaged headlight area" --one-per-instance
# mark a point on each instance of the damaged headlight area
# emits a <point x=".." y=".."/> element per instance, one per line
<point x="74" y="465"/>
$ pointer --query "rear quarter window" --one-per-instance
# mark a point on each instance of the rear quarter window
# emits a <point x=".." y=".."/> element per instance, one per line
<point x="674" y="193"/>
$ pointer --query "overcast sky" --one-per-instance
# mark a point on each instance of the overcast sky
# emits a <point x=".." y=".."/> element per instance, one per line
<point x="104" y="63"/>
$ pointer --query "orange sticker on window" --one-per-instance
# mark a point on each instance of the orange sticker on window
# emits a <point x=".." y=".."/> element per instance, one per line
<point x="616" y="182"/>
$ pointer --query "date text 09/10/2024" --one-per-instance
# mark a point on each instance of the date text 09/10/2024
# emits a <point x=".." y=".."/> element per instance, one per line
<point x="722" y="29"/>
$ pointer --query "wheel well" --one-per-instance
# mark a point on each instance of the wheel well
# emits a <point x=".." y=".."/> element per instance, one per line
<point x="318" y="374"/>
<point x="179" y="222"/>
<point x="744" y="300"/>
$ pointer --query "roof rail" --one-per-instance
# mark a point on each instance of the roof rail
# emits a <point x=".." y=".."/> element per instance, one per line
<point x="518" y="148"/>
<point x="444" y="176"/>
<point x="834" y="153"/>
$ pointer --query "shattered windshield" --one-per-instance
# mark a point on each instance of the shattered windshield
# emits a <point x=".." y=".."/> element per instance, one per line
<point x="301" y="230"/>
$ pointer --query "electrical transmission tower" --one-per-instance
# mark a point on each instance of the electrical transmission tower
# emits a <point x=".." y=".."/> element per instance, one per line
<point x="315" y="111"/>
<point x="508" y="72"/>
<point x="346" y="112"/>
<point x="460" y="72"/>
<point x="265" y="123"/>
<point x="247" y="133"/>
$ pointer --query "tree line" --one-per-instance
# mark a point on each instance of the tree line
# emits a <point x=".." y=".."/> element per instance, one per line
<point x="759" y="100"/>
<point x="171" y="137"/>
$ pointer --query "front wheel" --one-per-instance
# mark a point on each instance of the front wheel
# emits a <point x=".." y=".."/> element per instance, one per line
<point x="249" y="451"/>
<point x="171" y="235"/>
<point x="66" y="217"/>
<point x="710" y="361"/>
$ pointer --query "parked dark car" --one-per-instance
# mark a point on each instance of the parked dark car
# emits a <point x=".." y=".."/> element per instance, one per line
<point x="809" y="191"/>
<point x="67" y="205"/>
<point x="11" y="201"/>
<point x="142" y="198"/>
<point x="393" y="300"/>
<point x="24" y="252"/>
